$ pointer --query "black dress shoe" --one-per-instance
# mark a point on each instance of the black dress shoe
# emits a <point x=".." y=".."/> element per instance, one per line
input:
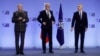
<point x="21" y="53"/>
<point x="51" y="52"/>
<point x="17" y="53"/>
<point x="75" y="51"/>
<point x="44" y="51"/>
<point x="82" y="51"/>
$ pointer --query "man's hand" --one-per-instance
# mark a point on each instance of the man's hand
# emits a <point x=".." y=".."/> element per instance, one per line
<point x="85" y="29"/>
<point x="53" y="22"/>
<point x="23" y="20"/>
<point x="20" y="18"/>
<point x="44" y="23"/>
<point x="72" y="29"/>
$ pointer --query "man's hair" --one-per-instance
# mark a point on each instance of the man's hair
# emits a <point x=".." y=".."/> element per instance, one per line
<point x="47" y="3"/>
<point x="19" y="4"/>
<point x="80" y="5"/>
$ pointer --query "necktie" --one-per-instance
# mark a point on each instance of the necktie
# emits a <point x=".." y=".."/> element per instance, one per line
<point x="48" y="13"/>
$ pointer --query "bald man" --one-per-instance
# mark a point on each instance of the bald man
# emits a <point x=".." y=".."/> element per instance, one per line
<point x="20" y="19"/>
<point x="46" y="19"/>
<point x="80" y="25"/>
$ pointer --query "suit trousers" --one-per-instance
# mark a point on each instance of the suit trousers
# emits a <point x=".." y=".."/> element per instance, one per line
<point x="46" y="32"/>
<point x="19" y="37"/>
<point x="79" y="32"/>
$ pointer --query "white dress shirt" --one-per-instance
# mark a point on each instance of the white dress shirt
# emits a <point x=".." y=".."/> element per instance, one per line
<point x="80" y="14"/>
<point x="48" y="13"/>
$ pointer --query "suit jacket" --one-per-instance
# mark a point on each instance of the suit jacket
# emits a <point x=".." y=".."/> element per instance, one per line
<point x="43" y="17"/>
<point x="19" y="24"/>
<point x="78" y="21"/>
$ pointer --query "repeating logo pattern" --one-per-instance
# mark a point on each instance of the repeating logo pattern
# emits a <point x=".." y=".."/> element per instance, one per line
<point x="7" y="12"/>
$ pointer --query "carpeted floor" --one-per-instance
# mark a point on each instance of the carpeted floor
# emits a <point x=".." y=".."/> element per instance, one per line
<point x="57" y="52"/>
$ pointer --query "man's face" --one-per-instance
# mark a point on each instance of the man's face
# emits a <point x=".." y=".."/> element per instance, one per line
<point x="47" y="7"/>
<point x="79" y="7"/>
<point x="20" y="7"/>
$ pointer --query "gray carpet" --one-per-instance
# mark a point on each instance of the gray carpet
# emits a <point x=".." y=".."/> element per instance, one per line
<point x="57" y="52"/>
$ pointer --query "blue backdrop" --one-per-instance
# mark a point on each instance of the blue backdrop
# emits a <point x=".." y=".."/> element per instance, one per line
<point x="7" y="7"/>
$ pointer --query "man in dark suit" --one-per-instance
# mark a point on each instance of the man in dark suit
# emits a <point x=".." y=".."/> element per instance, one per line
<point x="81" y="24"/>
<point x="46" y="19"/>
<point x="20" y="19"/>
